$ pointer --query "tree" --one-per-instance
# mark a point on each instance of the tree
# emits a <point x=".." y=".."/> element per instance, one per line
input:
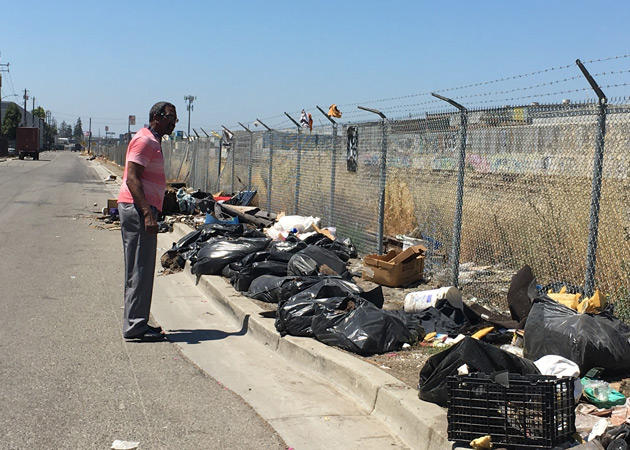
<point x="65" y="130"/>
<point x="39" y="112"/>
<point x="11" y="121"/>
<point x="49" y="135"/>
<point x="49" y="131"/>
<point x="78" y="130"/>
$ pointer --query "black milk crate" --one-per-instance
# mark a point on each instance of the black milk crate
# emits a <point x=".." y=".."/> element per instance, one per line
<point x="535" y="411"/>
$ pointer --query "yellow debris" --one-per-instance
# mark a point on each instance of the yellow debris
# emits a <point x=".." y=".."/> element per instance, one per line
<point x="570" y="300"/>
<point x="481" y="333"/>
<point x="563" y="290"/>
<point x="481" y="443"/>
<point x="594" y="304"/>
<point x="430" y="336"/>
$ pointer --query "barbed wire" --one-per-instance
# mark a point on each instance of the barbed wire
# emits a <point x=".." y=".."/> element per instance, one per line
<point x="484" y="83"/>
<point x="121" y="120"/>
<point x="499" y="80"/>
<point x="414" y="107"/>
<point x="602" y="74"/>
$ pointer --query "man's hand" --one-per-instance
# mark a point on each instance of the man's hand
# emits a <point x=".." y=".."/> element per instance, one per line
<point x="150" y="222"/>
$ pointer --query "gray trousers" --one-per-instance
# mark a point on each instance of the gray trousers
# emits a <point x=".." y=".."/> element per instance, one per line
<point x="139" y="248"/>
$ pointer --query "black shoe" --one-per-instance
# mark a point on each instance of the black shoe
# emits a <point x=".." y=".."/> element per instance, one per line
<point x="156" y="329"/>
<point x="148" y="336"/>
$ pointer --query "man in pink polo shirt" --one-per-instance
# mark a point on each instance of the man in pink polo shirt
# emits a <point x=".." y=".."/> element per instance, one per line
<point x="139" y="202"/>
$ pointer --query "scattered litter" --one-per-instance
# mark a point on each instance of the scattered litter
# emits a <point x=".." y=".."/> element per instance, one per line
<point x="420" y="300"/>
<point x="598" y="429"/>
<point x="482" y="443"/>
<point x="280" y="259"/>
<point x="124" y="445"/>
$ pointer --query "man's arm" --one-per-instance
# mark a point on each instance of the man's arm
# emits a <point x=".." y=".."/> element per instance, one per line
<point x="134" y="183"/>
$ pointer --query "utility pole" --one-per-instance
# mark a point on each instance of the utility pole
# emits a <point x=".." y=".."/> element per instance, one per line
<point x="189" y="99"/>
<point x="25" y="99"/>
<point x="33" y="113"/>
<point x="2" y="70"/>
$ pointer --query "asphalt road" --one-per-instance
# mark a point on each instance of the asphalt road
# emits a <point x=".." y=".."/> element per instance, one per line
<point x="68" y="380"/>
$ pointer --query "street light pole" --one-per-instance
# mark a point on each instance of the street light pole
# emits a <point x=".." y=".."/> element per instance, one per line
<point x="189" y="99"/>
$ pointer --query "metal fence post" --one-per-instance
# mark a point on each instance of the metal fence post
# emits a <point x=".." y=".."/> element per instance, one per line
<point x="459" y="202"/>
<point x="233" y="147"/>
<point x="270" y="164"/>
<point x="333" y="176"/>
<point x="220" y="150"/>
<point x="296" y="207"/>
<point x="598" y="166"/>
<point x="298" y="171"/>
<point x="382" y="181"/>
<point x="251" y="150"/>
<point x="333" y="168"/>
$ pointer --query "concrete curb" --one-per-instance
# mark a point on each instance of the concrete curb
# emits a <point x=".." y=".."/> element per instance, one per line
<point x="419" y="424"/>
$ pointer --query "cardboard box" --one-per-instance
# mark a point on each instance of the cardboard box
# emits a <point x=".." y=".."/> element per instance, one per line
<point x="112" y="203"/>
<point x="396" y="268"/>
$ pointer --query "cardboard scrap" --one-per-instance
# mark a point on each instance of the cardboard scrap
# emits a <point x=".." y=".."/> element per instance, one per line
<point x="396" y="268"/>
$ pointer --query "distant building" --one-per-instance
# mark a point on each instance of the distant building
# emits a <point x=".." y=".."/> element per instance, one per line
<point x="28" y="120"/>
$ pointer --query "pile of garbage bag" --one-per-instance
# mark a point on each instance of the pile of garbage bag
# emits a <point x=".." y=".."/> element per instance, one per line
<point x="551" y="330"/>
<point x="292" y="262"/>
<point x="303" y="269"/>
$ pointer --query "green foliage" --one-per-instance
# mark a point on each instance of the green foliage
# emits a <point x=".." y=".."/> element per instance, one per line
<point x="39" y="112"/>
<point x="11" y="121"/>
<point x="49" y="135"/>
<point x="78" y="130"/>
<point x="65" y="130"/>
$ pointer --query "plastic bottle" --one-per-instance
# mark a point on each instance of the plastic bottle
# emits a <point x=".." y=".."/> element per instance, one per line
<point x="421" y="300"/>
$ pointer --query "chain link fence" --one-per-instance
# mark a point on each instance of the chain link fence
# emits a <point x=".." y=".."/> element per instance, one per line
<point x="542" y="185"/>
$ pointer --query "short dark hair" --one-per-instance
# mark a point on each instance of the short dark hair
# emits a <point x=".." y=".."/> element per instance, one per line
<point x="158" y="109"/>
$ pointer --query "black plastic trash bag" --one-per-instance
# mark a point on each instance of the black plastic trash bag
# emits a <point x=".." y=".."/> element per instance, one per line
<point x="226" y="230"/>
<point x="589" y="340"/>
<point x="243" y="279"/>
<point x="314" y="260"/>
<point x="344" y="249"/>
<point x="520" y="294"/>
<point x="295" y="315"/>
<point x="254" y="258"/>
<point x="213" y="257"/>
<point x="478" y="356"/>
<point x="331" y="287"/>
<point x="273" y="289"/>
<point x="180" y="251"/>
<point x="284" y="250"/>
<point x="184" y="243"/>
<point x="365" y="329"/>
<point x="443" y="318"/>
<point x="231" y="270"/>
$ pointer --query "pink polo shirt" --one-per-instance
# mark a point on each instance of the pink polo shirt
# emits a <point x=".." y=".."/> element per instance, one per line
<point x="145" y="149"/>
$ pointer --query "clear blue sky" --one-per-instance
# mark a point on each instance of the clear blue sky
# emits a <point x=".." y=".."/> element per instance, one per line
<point x="257" y="59"/>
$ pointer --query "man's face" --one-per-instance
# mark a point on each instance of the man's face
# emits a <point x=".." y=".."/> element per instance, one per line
<point x="165" y="122"/>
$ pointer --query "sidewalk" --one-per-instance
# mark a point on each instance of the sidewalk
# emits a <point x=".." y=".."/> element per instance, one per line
<point x="193" y="314"/>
